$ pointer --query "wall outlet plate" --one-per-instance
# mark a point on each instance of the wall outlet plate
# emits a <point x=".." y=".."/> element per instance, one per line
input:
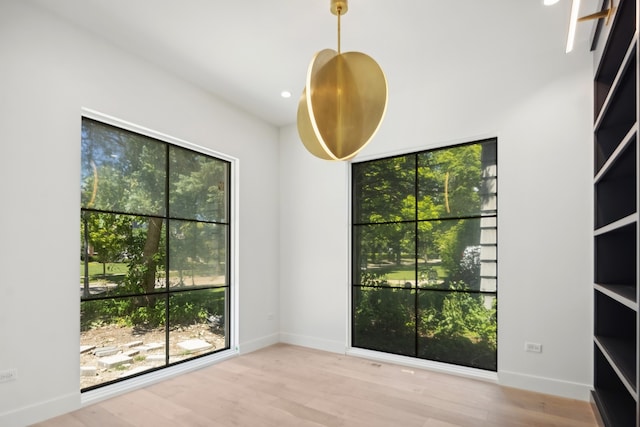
<point x="533" y="347"/>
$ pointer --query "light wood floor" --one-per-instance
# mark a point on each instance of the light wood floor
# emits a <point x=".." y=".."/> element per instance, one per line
<point x="286" y="385"/>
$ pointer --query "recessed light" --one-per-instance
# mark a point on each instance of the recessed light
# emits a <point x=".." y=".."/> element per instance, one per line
<point x="550" y="2"/>
<point x="285" y="94"/>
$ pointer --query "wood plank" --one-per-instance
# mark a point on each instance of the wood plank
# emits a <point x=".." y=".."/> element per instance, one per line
<point x="285" y="385"/>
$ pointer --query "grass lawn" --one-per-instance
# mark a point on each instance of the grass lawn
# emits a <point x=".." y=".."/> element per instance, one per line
<point x="407" y="272"/>
<point x="111" y="268"/>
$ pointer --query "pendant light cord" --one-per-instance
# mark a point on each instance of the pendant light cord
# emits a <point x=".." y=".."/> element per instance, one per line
<point x="339" y="13"/>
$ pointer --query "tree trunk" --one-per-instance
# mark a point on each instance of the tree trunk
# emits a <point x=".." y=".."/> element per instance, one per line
<point x="86" y="255"/>
<point x="151" y="246"/>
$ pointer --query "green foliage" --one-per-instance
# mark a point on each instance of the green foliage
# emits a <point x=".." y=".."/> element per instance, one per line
<point x="422" y="206"/>
<point x="457" y="314"/>
<point x="185" y="308"/>
<point x="371" y="278"/>
<point x="121" y="170"/>
<point x="196" y="249"/>
<point x="458" y="350"/>
<point x="190" y="307"/>
<point x="458" y="327"/>
<point x="104" y="312"/>
<point x="386" y="195"/>
<point x="146" y="312"/>
<point x="197" y="185"/>
<point x="126" y="172"/>
<point x="453" y="326"/>
<point x="449" y="183"/>
<point x="452" y="243"/>
<point x="107" y="234"/>
<point x="385" y="188"/>
<point x="384" y="319"/>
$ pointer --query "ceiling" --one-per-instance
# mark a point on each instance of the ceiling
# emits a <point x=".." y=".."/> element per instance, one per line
<point x="248" y="51"/>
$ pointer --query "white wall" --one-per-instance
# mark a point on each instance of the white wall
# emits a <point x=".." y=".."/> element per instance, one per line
<point x="539" y="105"/>
<point x="314" y="226"/>
<point x="48" y="72"/>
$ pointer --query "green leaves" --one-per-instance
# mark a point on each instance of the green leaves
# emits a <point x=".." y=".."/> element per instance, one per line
<point x="417" y="264"/>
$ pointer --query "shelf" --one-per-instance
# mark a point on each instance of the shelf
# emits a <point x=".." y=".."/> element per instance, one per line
<point x="614" y="320"/>
<point x="617" y="123"/>
<point x="615" y="194"/>
<point x="624" y="294"/>
<point x="612" y="87"/>
<point x="621" y="36"/>
<point x="621" y="357"/>
<point x="616" y="254"/>
<point x="615" y="337"/>
<point x="613" y="156"/>
<point x="613" y="410"/>
<point x="617" y="406"/>
<point x="622" y="222"/>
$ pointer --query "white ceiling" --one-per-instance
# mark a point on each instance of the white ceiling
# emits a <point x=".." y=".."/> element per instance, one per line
<point x="248" y="51"/>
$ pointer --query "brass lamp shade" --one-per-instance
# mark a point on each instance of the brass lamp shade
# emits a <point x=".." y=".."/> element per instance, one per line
<point x="343" y="101"/>
<point x="342" y="105"/>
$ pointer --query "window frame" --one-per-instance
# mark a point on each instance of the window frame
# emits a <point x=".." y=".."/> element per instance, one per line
<point x="170" y="369"/>
<point x="415" y="360"/>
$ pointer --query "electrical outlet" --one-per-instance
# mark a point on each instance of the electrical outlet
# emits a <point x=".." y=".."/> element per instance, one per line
<point x="8" y="375"/>
<point x="533" y="347"/>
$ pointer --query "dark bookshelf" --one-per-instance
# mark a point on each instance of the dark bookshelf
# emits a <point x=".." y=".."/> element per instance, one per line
<point x="615" y="303"/>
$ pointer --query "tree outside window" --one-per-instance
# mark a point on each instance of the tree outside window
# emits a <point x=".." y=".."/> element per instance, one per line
<point x="424" y="254"/>
<point x="154" y="254"/>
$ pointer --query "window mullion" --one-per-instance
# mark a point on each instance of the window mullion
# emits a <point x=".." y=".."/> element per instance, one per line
<point x="416" y="192"/>
<point x="167" y="295"/>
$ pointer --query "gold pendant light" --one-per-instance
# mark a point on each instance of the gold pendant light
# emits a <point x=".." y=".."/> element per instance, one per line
<point x="343" y="102"/>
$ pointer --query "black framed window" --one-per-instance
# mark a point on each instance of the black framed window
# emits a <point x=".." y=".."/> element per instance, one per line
<point x="424" y="254"/>
<point x="154" y="254"/>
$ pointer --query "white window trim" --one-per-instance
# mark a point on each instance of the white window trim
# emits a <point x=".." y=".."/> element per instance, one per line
<point x="93" y="396"/>
<point x="410" y="362"/>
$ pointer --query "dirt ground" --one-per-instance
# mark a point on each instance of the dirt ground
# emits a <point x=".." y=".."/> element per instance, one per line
<point x="137" y="343"/>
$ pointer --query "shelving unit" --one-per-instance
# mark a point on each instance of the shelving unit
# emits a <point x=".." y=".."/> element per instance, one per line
<point x="616" y="319"/>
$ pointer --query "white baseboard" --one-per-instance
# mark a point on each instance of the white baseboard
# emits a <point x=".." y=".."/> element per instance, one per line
<point x="544" y="385"/>
<point x="41" y="411"/>
<point x="257" y="344"/>
<point x="412" y="362"/>
<point x="313" y="342"/>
